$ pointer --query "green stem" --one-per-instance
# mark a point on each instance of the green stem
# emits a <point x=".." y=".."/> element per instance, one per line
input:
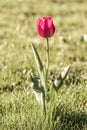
<point x="47" y="68"/>
<point x="46" y="78"/>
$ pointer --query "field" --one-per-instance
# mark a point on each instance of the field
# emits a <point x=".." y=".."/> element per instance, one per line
<point x="19" y="109"/>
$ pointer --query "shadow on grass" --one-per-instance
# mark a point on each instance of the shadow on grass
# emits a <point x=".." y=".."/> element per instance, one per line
<point x="70" y="120"/>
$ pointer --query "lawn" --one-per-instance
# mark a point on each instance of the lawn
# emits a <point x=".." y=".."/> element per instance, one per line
<point x="19" y="109"/>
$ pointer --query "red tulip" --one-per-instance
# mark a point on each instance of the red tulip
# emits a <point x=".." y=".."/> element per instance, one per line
<point x="45" y="27"/>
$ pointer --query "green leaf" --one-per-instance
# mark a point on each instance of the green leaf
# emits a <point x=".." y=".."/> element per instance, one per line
<point x="38" y="91"/>
<point x="39" y="64"/>
<point x="65" y="72"/>
<point x="59" y="80"/>
<point x="35" y="83"/>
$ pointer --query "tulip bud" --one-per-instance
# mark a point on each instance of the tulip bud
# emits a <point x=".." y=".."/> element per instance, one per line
<point x="45" y="27"/>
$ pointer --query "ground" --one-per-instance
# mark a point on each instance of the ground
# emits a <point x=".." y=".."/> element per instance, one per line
<point x="19" y="109"/>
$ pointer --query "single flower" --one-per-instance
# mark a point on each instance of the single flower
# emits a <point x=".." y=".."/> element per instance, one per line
<point x="45" y="27"/>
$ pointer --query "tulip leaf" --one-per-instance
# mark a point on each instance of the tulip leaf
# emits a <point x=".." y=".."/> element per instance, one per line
<point x="35" y="84"/>
<point x="38" y="62"/>
<point x="39" y="97"/>
<point x="58" y="82"/>
<point x="38" y="91"/>
<point x="65" y="72"/>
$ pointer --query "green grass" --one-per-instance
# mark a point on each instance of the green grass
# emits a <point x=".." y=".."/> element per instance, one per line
<point x="18" y="107"/>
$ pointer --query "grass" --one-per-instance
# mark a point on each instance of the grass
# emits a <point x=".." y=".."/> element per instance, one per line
<point x="18" y="107"/>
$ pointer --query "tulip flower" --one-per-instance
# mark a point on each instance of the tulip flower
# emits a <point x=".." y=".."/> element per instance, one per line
<point x="45" y="27"/>
<point x="45" y="95"/>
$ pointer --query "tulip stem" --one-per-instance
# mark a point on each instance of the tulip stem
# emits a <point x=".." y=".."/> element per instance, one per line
<point x="47" y="53"/>
<point x="47" y="59"/>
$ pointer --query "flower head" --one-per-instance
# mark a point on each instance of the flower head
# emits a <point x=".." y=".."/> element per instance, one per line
<point x="45" y="27"/>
